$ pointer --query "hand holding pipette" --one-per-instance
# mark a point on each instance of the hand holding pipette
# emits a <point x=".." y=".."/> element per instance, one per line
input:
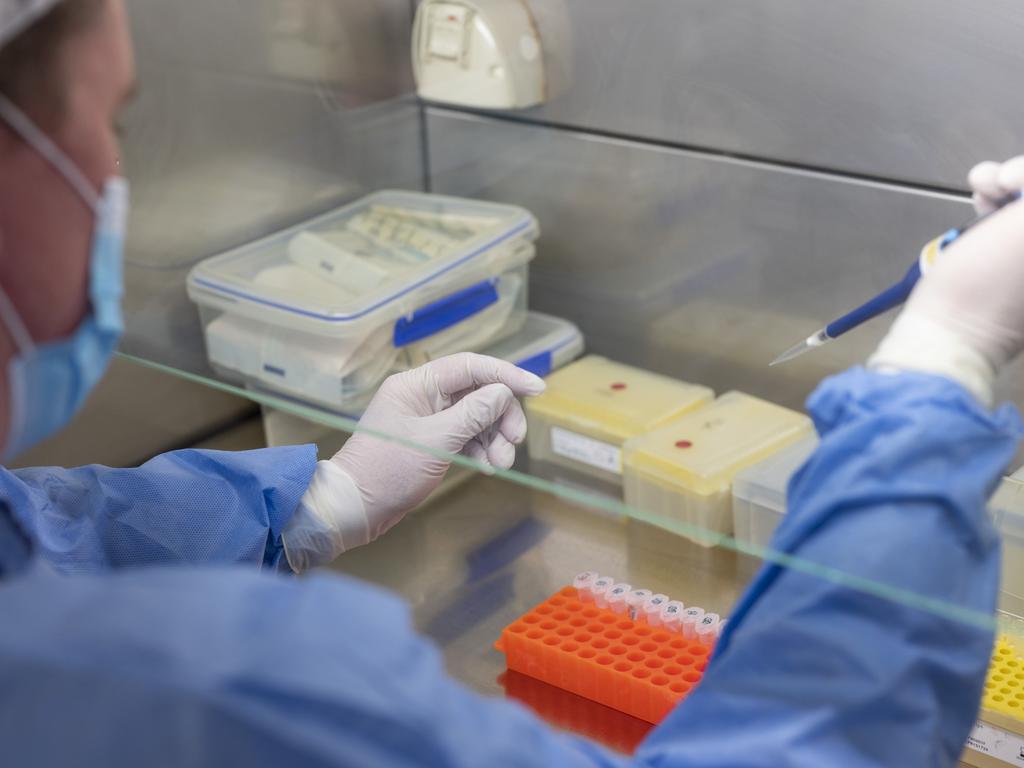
<point x="965" y="321"/>
<point x="898" y="293"/>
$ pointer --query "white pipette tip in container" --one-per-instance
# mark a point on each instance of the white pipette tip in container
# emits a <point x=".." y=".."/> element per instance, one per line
<point x="671" y="615"/>
<point x="690" y="618"/>
<point x="583" y="582"/>
<point x="706" y="629"/>
<point x="617" y="597"/>
<point x="650" y="611"/>
<point x="635" y="600"/>
<point x="599" y="589"/>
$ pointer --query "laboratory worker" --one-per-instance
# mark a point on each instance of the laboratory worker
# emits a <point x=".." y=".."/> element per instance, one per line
<point x="147" y="616"/>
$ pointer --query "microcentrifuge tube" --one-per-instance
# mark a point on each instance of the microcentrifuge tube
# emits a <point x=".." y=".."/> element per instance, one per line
<point x="671" y="614"/>
<point x="706" y="628"/>
<point x="650" y="611"/>
<point x="583" y="583"/>
<point x="634" y="601"/>
<point x="599" y="589"/>
<point x="617" y="597"/>
<point x="720" y="628"/>
<point x="689" y="621"/>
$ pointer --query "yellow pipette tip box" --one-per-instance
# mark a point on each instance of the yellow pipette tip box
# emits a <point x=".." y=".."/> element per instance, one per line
<point x="997" y="739"/>
<point x="683" y="471"/>
<point x="593" y="406"/>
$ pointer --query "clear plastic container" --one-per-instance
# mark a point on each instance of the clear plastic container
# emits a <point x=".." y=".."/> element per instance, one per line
<point x="684" y="470"/>
<point x="594" y="406"/>
<point x="759" y="493"/>
<point x="325" y="310"/>
<point x="1007" y="507"/>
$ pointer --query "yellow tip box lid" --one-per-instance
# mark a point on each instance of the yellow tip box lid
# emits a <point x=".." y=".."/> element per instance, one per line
<point x="616" y="401"/>
<point x="703" y="450"/>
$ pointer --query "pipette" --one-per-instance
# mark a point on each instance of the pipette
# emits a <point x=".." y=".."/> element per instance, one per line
<point x="892" y="296"/>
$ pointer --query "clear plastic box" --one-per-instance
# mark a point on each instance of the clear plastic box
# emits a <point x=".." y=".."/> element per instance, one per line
<point x="759" y="493"/>
<point x="594" y="405"/>
<point x="759" y="503"/>
<point x="684" y="470"/>
<point x="1007" y="507"/>
<point x="325" y="310"/>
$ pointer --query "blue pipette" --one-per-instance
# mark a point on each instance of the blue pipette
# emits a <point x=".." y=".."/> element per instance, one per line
<point x="892" y="296"/>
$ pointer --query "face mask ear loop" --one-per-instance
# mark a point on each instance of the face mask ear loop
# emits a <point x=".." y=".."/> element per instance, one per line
<point x="41" y="143"/>
<point x="12" y="321"/>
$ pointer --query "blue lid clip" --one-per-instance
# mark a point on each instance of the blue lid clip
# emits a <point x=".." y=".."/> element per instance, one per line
<point x="444" y="313"/>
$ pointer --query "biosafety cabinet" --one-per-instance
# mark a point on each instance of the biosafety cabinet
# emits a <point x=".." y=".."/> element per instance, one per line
<point x="643" y="202"/>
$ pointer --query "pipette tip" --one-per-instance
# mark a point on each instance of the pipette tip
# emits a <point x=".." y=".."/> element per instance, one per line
<point x="814" y="340"/>
<point x="795" y="351"/>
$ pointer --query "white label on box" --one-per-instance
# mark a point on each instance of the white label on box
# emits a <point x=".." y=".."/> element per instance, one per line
<point x="997" y="743"/>
<point x="586" y="450"/>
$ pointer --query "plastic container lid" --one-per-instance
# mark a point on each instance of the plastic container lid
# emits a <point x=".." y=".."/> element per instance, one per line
<point x="702" y="451"/>
<point x="367" y="262"/>
<point x="616" y="401"/>
<point x="765" y="483"/>
<point x="544" y="344"/>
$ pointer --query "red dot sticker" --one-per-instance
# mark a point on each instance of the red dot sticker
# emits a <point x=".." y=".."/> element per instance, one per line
<point x="618" y="386"/>
<point x="684" y="444"/>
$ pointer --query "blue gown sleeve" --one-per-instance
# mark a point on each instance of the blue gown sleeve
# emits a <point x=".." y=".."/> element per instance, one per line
<point x="190" y="506"/>
<point x="813" y="672"/>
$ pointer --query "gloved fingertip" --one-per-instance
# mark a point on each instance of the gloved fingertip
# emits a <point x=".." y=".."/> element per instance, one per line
<point x="1011" y="175"/>
<point x="501" y="453"/>
<point x="982" y="204"/>
<point x="519" y="438"/>
<point x="983" y="178"/>
<point x="533" y="384"/>
<point x="513" y="424"/>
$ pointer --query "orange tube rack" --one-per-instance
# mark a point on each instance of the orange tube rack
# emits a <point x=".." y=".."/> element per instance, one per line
<point x="630" y="666"/>
<point x="576" y="714"/>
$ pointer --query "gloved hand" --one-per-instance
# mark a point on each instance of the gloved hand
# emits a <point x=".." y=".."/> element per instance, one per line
<point x="464" y="404"/>
<point x="965" y="318"/>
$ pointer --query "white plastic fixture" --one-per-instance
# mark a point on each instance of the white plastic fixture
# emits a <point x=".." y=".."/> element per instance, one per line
<point x="478" y="53"/>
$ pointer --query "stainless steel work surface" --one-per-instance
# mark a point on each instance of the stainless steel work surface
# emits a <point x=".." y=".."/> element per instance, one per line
<point x="478" y="558"/>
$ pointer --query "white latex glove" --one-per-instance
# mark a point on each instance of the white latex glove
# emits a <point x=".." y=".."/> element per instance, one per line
<point x="464" y="404"/>
<point x="965" y="318"/>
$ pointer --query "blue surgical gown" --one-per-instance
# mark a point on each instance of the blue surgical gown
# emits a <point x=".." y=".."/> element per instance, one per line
<point x="105" y="664"/>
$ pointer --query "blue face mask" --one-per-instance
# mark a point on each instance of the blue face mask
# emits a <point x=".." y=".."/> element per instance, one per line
<point x="49" y="382"/>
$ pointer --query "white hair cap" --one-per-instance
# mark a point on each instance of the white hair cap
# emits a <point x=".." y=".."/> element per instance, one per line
<point x="17" y="15"/>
